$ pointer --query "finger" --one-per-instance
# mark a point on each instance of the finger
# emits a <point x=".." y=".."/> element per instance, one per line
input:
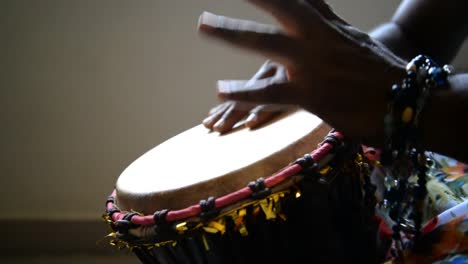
<point x="262" y="114"/>
<point x="212" y="119"/>
<point x="268" y="69"/>
<point x="215" y="115"/>
<point x="262" y="38"/>
<point x="230" y="117"/>
<point x="297" y="17"/>
<point x="218" y="107"/>
<point x="261" y="91"/>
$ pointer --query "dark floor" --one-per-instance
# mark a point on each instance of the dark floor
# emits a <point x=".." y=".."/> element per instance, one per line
<point x="72" y="259"/>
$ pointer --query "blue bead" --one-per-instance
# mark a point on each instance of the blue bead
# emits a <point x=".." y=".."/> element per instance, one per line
<point x="438" y="75"/>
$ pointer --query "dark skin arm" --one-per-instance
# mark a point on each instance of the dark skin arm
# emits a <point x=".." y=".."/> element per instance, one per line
<point x="433" y="27"/>
<point x="343" y="75"/>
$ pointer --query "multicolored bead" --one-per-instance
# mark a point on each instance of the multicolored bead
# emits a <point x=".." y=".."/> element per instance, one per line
<point x="407" y="115"/>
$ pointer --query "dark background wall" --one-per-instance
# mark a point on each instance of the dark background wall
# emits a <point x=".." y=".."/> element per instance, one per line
<point x="87" y="86"/>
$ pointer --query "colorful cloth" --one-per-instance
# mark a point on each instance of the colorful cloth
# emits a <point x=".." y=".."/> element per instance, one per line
<point x="444" y="234"/>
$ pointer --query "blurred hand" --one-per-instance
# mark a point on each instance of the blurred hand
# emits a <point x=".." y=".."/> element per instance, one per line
<point x="333" y="70"/>
<point x="223" y="117"/>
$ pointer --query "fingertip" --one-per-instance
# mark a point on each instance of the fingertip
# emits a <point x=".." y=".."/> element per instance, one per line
<point x="224" y="86"/>
<point x="224" y="89"/>
<point x="208" y="127"/>
<point x="207" y="21"/>
<point x="251" y="121"/>
<point x="263" y="114"/>
<point x="211" y="120"/>
<point x="220" y="126"/>
<point x="207" y="122"/>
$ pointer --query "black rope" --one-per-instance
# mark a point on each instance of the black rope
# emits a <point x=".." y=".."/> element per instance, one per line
<point x="159" y="217"/>
<point x="112" y="210"/>
<point x="208" y="208"/>
<point x="306" y="161"/>
<point x="259" y="189"/>
<point x="125" y="224"/>
<point x="110" y="199"/>
<point x="333" y="140"/>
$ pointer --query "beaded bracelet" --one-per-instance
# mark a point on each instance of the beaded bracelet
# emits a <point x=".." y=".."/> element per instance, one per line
<point x="403" y="157"/>
<point x="407" y="100"/>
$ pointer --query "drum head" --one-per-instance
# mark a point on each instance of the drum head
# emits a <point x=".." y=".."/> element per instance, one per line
<point x="199" y="163"/>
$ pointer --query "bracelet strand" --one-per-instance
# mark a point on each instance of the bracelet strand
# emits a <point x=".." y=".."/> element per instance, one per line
<point x="403" y="156"/>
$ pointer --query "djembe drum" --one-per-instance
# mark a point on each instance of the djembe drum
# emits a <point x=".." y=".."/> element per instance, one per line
<point x="292" y="191"/>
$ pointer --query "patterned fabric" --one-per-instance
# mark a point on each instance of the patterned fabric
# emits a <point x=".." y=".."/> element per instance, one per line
<point x="444" y="238"/>
<point x="447" y="190"/>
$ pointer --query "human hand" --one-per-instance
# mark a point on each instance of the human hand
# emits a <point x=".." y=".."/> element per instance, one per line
<point x="223" y="117"/>
<point x="334" y="70"/>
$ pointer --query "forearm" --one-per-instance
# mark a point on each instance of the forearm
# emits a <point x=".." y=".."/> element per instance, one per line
<point x="431" y="27"/>
<point x="392" y="37"/>
<point x="444" y="120"/>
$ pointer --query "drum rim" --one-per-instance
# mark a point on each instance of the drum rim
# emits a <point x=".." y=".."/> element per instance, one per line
<point x="114" y="214"/>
